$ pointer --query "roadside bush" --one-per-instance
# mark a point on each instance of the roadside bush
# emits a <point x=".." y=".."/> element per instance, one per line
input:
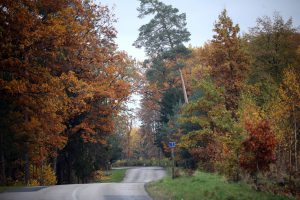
<point x="100" y="176"/>
<point x="33" y="182"/>
<point x="42" y="176"/>
<point x="141" y="162"/>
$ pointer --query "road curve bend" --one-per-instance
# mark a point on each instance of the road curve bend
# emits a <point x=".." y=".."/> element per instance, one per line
<point x="132" y="188"/>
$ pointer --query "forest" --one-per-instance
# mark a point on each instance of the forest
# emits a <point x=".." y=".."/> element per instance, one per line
<point x="63" y="82"/>
<point x="232" y="105"/>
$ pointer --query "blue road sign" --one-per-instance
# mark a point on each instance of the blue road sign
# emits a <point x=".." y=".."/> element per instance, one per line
<point x="172" y="144"/>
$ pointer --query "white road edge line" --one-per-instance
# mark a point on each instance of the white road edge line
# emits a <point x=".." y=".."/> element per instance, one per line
<point x="74" y="193"/>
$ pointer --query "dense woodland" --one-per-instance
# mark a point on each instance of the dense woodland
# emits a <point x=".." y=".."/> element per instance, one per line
<point x="232" y="105"/>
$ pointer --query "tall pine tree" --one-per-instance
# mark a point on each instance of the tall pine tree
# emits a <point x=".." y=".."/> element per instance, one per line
<point x="163" y="39"/>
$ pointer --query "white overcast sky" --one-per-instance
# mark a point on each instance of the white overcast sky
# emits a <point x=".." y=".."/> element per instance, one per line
<point x="201" y="15"/>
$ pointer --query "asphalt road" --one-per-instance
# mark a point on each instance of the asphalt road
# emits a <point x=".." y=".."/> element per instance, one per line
<point x="132" y="188"/>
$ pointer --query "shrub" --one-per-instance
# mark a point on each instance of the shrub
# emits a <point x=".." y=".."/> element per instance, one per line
<point x="100" y="176"/>
<point x="33" y="182"/>
<point x="140" y="162"/>
<point x="42" y="175"/>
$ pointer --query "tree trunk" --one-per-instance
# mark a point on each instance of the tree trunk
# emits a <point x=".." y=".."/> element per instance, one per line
<point x="128" y="145"/>
<point x="290" y="158"/>
<point x="55" y="165"/>
<point x="69" y="168"/>
<point x="27" y="167"/>
<point x="3" y="175"/>
<point x="69" y="173"/>
<point x="295" y="132"/>
<point x="186" y="100"/>
<point x="42" y="181"/>
<point x="27" y="170"/>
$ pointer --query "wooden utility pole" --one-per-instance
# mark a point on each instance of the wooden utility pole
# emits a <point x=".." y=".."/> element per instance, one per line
<point x="186" y="100"/>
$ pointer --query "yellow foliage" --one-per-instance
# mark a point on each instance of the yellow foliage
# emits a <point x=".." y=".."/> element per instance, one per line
<point x="33" y="182"/>
<point x="290" y="88"/>
<point x="42" y="175"/>
<point x="250" y="111"/>
<point x="49" y="175"/>
<point x="286" y="104"/>
<point x="100" y="176"/>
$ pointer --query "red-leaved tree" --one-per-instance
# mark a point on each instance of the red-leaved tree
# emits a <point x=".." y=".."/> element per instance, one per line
<point x="258" y="150"/>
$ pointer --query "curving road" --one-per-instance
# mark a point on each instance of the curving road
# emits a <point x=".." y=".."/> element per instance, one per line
<point x="132" y="188"/>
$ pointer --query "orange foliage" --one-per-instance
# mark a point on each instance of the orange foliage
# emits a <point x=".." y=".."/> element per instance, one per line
<point x="61" y="66"/>
<point x="258" y="151"/>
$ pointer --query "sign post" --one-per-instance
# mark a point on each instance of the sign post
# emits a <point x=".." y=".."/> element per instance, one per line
<point x="172" y="146"/>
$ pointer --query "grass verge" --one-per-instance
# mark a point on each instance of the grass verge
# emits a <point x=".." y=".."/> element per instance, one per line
<point x="205" y="186"/>
<point x="4" y="188"/>
<point x="116" y="176"/>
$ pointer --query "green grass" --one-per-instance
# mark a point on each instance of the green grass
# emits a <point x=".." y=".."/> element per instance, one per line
<point x="205" y="186"/>
<point x="116" y="176"/>
<point x="4" y="188"/>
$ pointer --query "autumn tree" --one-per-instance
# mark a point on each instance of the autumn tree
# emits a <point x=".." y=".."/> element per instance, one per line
<point x="34" y="97"/>
<point x="229" y="68"/>
<point x="228" y="60"/>
<point x="284" y="115"/>
<point x="149" y="115"/>
<point x="273" y="45"/>
<point x="258" y="150"/>
<point x="290" y="95"/>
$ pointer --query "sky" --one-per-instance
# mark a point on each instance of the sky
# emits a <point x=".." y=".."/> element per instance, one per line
<point x="201" y="15"/>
